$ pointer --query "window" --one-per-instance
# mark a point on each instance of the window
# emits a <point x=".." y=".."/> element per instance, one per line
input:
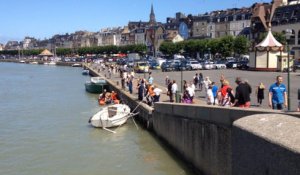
<point x="292" y="39"/>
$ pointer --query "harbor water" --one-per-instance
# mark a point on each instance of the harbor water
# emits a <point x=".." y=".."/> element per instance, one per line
<point x="44" y="129"/>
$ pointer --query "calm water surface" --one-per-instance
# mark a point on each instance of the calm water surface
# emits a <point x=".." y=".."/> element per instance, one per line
<point x="44" y="129"/>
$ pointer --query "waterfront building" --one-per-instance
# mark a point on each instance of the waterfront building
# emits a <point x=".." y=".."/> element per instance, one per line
<point x="201" y="27"/>
<point x="12" y="45"/>
<point x="28" y="43"/>
<point x="171" y="31"/>
<point x="261" y="17"/>
<point x="139" y="35"/>
<point x="1" y="47"/>
<point x="110" y="36"/>
<point x="154" y="38"/>
<point x="239" y="19"/>
<point x="288" y="17"/>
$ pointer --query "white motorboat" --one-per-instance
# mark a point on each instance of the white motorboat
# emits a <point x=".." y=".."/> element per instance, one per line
<point x="52" y="63"/>
<point x="34" y="62"/>
<point x="111" y="116"/>
<point x="76" y="65"/>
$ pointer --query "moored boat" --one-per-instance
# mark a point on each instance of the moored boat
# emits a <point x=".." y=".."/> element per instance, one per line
<point x="96" y="85"/>
<point x="111" y="116"/>
<point x="52" y="63"/>
<point x="76" y="65"/>
<point x="85" y="72"/>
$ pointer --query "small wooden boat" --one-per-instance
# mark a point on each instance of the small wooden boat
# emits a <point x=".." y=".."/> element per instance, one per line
<point x="111" y="116"/>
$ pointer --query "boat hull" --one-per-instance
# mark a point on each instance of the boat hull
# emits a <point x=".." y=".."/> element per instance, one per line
<point x="104" y="118"/>
<point x="96" y="85"/>
<point x="85" y="72"/>
<point x="95" y="88"/>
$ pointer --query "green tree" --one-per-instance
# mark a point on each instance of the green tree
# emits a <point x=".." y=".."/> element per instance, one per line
<point x="213" y="44"/>
<point x="190" y="46"/>
<point x="226" y="45"/>
<point x="241" y="45"/>
<point x="169" y="48"/>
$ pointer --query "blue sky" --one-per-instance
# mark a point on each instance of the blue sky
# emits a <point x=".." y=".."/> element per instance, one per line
<point x="44" y="18"/>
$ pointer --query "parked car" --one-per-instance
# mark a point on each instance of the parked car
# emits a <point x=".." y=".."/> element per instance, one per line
<point x="140" y="67"/>
<point x="130" y="63"/>
<point x="193" y="65"/>
<point x="154" y="65"/>
<point x="231" y="64"/>
<point x="208" y="65"/>
<point x="182" y="66"/>
<point x="167" y="66"/>
<point x="219" y="65"/>
<point x="243" y="65"/>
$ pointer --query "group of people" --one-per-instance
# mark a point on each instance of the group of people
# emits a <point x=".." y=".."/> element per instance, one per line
<point x="108" y="98"/>
<point x="225" y="96"/>
<point x="147" y="91"/>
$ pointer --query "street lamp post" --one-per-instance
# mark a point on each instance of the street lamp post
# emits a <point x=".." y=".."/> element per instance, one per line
<point x="144" y="58"/>
<point x="181" y="73"/>
<point x="288" y="34"/>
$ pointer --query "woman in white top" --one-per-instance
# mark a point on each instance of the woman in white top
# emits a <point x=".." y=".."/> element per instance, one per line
<point x="209" y="95"/>
<point x="206" y="83"/>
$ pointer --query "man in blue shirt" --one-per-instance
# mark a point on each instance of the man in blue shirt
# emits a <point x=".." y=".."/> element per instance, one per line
<point x="215" y="92"/>
<point x="277" y="94"/>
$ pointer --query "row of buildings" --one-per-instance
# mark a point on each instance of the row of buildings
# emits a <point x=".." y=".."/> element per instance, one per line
<point x="247" y="21"/>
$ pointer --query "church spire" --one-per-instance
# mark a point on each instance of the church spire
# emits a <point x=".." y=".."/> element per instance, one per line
<point x="152" y="17"/>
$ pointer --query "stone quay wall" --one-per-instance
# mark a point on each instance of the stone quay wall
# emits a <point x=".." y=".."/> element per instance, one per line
<point x="217" y="140"/>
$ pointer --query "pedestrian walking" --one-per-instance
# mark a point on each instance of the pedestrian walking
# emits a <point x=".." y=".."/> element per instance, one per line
<point x="225" y="95"/>
<point x="215" y="92"/>
<point x="200" y="78"/>
<point x="277" y="94"/>
<point x="130" y="84"/>
<point x="206" y="83"/>
<point x="242" y="94"/>
<point x="174" y="89"/>
<point x="169" y="92"/>
<point x="185" y="85"/>
<point x="167" y="80"/>
<point x="209" y="95"/>
<point x="141" y="90"/>
<point x="195" y="78"/>
<point x="150" y="79"/>
<point x="260" y="93"/>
